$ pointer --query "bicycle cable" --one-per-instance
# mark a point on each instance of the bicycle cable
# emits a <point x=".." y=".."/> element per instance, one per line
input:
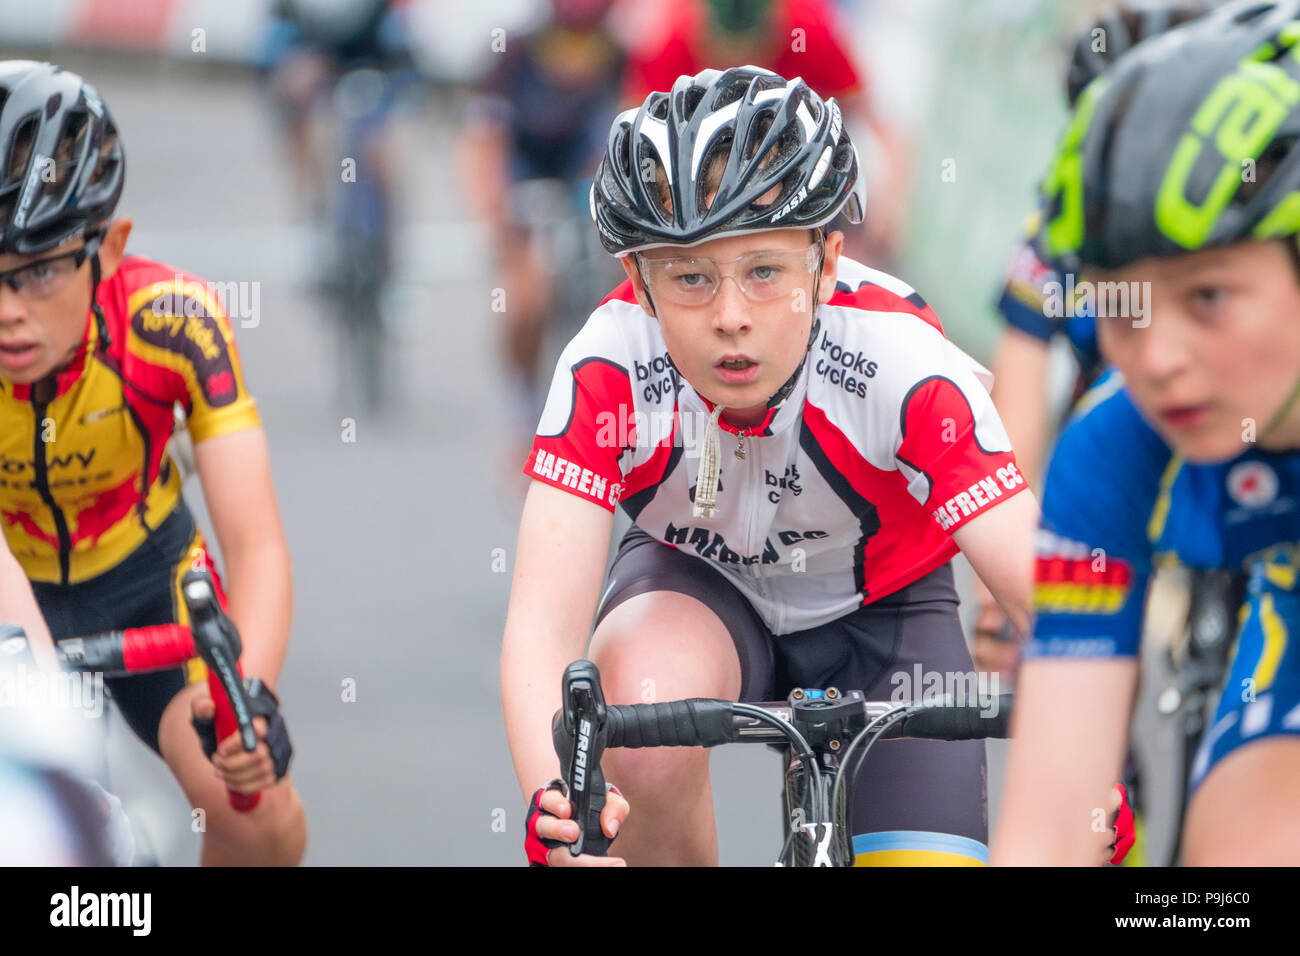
<point x="841" y="789"/>
<point x="791" y="733"/>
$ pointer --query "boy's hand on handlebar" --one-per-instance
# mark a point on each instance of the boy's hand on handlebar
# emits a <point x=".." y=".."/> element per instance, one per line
<point x="995" y="648"/>
<point x="242" y="772"/>
<point x="1122" y="824"/>
<point x="550" y="829"/>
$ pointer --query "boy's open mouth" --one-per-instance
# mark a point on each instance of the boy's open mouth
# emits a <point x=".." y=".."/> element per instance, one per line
<point x="17" y="354"/>
<point x="737" y="369"/>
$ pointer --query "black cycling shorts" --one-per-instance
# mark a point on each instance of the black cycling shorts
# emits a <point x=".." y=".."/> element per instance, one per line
<point x="144" y="589"/>
<point x="917" y="802"/>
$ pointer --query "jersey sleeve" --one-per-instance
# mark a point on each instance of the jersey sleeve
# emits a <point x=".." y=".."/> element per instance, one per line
<point x="583" y="430"/>
<point x="1023" y="300"/>
<point x="1093" y="559"/>
<point x="953" y="450"/>
<point x="179" y="325"/>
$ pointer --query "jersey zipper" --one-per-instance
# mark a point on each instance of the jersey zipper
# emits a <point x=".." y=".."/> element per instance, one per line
<point x="749" y="485"/>
<point x="43" y="488"/>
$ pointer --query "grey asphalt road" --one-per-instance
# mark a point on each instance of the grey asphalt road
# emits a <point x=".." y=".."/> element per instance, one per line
<point x="392" y="534"/>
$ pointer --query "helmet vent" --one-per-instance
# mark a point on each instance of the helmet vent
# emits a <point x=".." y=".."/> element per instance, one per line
<point x="24" y="139"/>
<point x="106" y="168"/>
<point x="711" y="171"/>
<point x="730" y="92"/>
<point x="1251" y="13"/>
<point x="1273" y="156"/>
<point x="71" y="142"/>
<point x="842" y="161"/>
<point x="757" y="130"/>
<point x="689" y="102"/>
<point x="622" y="154"/>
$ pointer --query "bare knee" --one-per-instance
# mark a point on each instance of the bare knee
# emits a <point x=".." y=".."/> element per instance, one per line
<point x="272" y="834"/>
<point x="662" y="646"/>
<point x="1242" y="814"/>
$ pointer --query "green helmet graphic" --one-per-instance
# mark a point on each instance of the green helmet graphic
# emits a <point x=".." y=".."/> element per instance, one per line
<point x="1191" y="141"/>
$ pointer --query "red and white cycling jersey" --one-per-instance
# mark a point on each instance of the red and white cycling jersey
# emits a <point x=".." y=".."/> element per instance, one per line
<point x="848" y="491"/>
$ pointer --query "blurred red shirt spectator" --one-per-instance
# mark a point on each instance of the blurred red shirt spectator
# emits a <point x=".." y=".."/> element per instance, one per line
<point x="799" y="38"/>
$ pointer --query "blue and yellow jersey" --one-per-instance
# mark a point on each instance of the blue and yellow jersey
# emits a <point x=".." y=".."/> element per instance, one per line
<point x="1118" y="502"/>
<point x="84" y="473"/>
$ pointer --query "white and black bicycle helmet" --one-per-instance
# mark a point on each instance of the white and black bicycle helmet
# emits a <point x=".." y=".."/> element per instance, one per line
<point x="61" y="163"/>
<point x="773" y="132"/>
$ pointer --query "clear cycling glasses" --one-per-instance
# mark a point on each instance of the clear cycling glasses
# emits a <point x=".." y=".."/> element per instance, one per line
<point x="45" y="278"/>
<point x="762" y="276"/>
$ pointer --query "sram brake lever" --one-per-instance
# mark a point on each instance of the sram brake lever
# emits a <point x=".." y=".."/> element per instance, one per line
<point x="583" y="744"/>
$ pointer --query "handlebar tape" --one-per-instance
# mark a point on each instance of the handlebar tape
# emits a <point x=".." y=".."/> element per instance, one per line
<point x="945" y="721"/>
<point x="698" y="722"/>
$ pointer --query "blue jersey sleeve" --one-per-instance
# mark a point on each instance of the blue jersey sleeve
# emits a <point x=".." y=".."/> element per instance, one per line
<point x="1023" y="298"/>
<point x="1022" y="302"/>
<point x="1093" y="557"/>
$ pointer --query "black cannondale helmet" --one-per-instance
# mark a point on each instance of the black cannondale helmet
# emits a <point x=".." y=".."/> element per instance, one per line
<point x="61" y="162"/>
<point x="772" y="132"/>
<point x="1190" y="141"/>
<point x="1111" y="36"/>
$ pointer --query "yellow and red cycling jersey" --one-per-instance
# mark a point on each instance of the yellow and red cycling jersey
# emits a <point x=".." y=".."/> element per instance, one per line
<point x="84" y="473"/>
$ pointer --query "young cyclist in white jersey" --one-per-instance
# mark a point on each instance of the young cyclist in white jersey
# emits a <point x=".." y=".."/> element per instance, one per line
<point x="802" y="453"/>
<point x="1178" y="176"/>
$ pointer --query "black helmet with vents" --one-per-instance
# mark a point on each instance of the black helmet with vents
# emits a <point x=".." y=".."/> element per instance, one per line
<point x="773" y="135"/>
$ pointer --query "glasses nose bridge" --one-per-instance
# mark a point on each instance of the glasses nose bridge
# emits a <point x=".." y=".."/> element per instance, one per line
<point x="734" y="276"/>
<point x="11" y="299"/>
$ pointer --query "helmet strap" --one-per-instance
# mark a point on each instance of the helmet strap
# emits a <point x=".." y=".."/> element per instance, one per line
<point x="645" y="286"/>
<point x="101" y="323"/>
<point x="1282" y="412"/>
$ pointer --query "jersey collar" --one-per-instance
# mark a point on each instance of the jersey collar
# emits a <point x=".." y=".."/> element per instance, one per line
<point x="779" y="418"/>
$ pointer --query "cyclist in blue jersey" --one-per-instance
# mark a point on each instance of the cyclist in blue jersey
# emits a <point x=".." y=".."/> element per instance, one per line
<point x="1036" y="303"/>
<point x="1177" y="183"/>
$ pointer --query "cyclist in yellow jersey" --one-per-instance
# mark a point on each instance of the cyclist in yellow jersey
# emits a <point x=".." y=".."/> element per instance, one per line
<point x="97" y="350"/>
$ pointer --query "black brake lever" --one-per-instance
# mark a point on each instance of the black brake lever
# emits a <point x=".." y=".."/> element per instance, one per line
<point x="580" y="743"/>
<point x="218" y="643"/>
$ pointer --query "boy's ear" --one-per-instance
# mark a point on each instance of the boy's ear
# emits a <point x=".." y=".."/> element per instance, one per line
<point x="113" y="249"/>
<point x="629" y="266"/>
<point x="830" y="267"/>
